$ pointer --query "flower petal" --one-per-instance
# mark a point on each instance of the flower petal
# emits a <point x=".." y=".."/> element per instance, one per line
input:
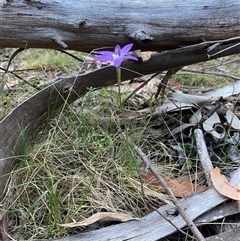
<point x="116" y="57"/>
<point x="125" y="49"/>
<point x="103" y="58"/>
<point x="117" y="50"/>
<point x="105" y="52"/>
<point x="130" y="57"/>
<point x="117" y="62"/>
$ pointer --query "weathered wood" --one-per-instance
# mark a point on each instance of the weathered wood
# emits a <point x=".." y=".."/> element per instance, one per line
<point x="203" y="155"/>
<point x="219" y="212"/>
<point x="85" y="25"/>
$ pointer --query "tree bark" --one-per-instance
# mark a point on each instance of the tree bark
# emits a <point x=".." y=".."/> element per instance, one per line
<point x="85" y="25"/>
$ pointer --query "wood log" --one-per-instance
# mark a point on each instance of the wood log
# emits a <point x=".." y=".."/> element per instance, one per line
<point x="85" y="25"/>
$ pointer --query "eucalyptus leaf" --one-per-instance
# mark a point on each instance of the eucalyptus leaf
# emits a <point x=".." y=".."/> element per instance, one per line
<point x="233" y="120"/>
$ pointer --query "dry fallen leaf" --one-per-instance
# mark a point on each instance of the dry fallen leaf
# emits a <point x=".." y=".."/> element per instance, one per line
<point x="222" y="185"/>
<point x="191" y="99"/>
<point x="146" y="55"/>
<point x="233" y="120"/>
<point x="180" y="187"/>
<point x="210" y="123"/>
<point x="100" y="217"/>
<point x="147" y="190"/>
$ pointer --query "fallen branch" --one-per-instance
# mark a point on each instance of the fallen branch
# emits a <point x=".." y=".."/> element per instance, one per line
<point x="178" y="206"/>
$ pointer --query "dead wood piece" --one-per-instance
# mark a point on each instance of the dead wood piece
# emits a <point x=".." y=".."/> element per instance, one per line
<point x="222" y="211"/>
<point x="203" y="155"/>
<point x="165" y="79"/>
<point x="83" y="25"/>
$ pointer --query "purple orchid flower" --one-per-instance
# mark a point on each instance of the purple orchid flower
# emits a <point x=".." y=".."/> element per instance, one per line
<point x="116" y="57"/>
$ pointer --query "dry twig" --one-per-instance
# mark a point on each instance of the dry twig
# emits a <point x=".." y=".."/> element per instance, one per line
<point x="203" y="155"/>
<point x="141" y="86"/>
<point x="179" y="208"/>
<point x="167" y="76"/>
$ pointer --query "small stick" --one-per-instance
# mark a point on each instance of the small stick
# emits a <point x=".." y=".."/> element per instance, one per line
<point x="59" y="41"/>
<point x="149" y="165"/>
<point x="155" y="209"/>
<point x="179" y="208"/>
<point x="19" y="77"/>
<point x="211" y="112"/>
<point x="71" y="55"/>
<point x="203" y="155"/>
<point x="15" y="53"/>
<point x="167" y="76"/>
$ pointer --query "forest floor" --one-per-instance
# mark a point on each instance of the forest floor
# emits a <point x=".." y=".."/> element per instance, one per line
<point x="80" y="164"/>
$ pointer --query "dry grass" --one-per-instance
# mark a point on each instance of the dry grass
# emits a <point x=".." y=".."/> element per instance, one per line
<point x="76" y="167"/>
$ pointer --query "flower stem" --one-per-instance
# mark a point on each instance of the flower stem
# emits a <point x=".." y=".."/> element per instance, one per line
<point x="119" y="88"/>
<point x="120" y="99"/>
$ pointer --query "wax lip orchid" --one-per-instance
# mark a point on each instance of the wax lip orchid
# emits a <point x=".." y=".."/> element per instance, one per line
<point x="117" y="56"/>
